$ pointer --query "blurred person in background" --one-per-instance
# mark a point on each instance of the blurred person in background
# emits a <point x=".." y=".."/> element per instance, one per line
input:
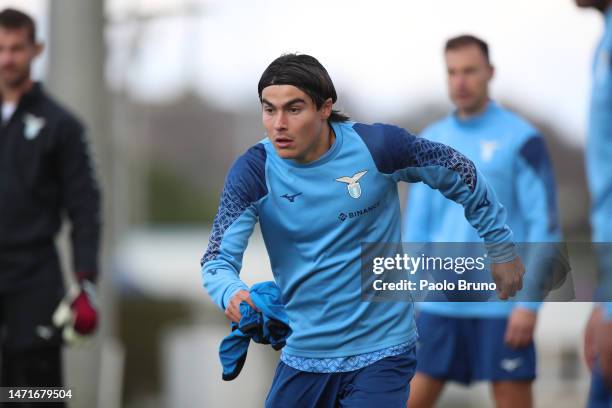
<point x="45" y="172"/>
<point x="481" y="341"/>
<point x="598" y="333"/>
<point x="300" y="182"/>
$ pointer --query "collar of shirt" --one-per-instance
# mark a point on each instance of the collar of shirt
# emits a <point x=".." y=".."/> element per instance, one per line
<point x="475" y="120"/>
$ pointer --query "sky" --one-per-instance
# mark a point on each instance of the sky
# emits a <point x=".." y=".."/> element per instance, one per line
<point x="386" y="56"/>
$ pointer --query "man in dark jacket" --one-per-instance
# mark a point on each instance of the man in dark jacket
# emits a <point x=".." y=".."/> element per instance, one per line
<point x="45" y="172"/>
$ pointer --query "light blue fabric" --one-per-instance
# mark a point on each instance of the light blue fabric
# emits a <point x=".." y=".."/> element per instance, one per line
<point x="269" y="325"/>
<point x="599" y="143"/>
<point x="314" y="217"/>
<point x="599" y="153"/>
<point x="513" y="158"/>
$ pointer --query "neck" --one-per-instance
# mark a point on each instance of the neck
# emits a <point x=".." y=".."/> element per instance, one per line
<point x="474" y="111"/>
<point x="328" y="139"/>
<point x="331" y="136"/>
<point x="12" y="94"/>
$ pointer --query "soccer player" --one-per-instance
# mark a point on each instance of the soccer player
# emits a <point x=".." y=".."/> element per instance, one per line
<point x="45" y="171"/>
<point x="313" y="167"/>
<point x="598" y="334"/>
<point x="495" y="338"/>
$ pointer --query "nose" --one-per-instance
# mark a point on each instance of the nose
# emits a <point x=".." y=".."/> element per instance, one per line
<point x="458" y="85"/>
<point x="280" y="121"/>
<point x="6" y="57"/>
<point x="457" y="79"/>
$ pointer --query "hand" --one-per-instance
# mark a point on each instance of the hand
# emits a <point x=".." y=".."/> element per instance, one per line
<point x="76" y="315"/>
<point x="590" y="348"/>
<point x="603" y="345"/>
<point x="508" y="277"/>
<point x="232" y="311"/>
<point x="85" y="315"/>
<point x="521" y="326"/>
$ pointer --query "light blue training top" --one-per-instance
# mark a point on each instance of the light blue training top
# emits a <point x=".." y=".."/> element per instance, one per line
<point x="513" y="158"/>
<point x="599" y="149"/>
<point x="313" y="223"/>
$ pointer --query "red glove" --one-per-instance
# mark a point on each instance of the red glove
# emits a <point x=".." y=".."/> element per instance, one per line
<point x="84" y="312"/>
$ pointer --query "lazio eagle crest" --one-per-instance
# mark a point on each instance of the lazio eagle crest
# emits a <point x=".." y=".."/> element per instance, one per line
<point x="354" y="189"/>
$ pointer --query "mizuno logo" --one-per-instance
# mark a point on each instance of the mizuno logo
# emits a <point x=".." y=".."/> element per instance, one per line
<point x="290" y="198"/>
<point x="354" y="189"/>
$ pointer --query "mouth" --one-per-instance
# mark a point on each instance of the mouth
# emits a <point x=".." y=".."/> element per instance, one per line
<point x="462" y="95"/>
<point x="283" y="142"/>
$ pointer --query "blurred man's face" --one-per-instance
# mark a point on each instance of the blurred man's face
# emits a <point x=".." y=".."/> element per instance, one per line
<point x="16" y="55"/>
<point x="469" y="74"/>
<point x="294" y="124"/>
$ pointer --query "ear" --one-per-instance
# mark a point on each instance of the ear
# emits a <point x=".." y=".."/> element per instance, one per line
<point x="326" y="109"/>
<point x="39" y="47"/>
<point x="491" y="72"/>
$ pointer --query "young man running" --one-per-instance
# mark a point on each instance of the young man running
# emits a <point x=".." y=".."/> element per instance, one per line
<point x="314" y="166"/>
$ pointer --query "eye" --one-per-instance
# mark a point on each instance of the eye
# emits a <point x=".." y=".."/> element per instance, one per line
<point x="294" y="110"/>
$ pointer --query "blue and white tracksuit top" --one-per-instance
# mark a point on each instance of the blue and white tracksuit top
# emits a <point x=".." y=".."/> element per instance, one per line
<point x="313" y="224"/>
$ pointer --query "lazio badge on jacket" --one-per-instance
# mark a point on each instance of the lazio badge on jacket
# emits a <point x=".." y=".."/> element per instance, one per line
<point x="353" y="186"/>
<point x="33" y="125"/>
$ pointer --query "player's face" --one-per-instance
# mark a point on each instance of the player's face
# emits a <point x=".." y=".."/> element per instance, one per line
<point x="295" y="126"/>
<point x="16" y="55"/>
<point x="469" y="74"/>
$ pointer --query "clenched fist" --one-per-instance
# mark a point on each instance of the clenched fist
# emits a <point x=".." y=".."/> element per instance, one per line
<point x="508" y="277"/>
<point x="232" y="311"/>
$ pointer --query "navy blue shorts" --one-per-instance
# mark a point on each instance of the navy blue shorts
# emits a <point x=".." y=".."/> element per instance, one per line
<point x="600" y="395"/>
<point x="385" y="383"/>
<point x="470" y="349"/>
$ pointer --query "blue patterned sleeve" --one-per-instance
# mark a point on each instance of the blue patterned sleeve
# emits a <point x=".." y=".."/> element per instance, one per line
<point x="244" y="187"/>
<point x="408" y="158"/>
